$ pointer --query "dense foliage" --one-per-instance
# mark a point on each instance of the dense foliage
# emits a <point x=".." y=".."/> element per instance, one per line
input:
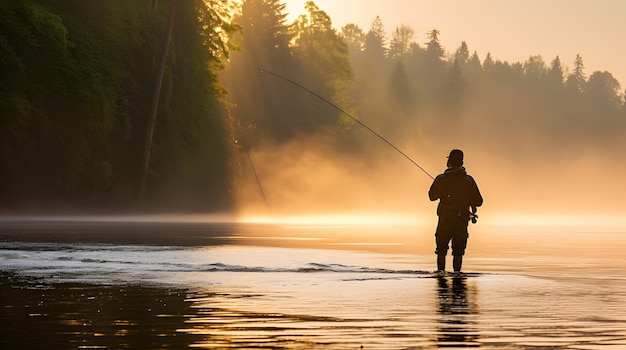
<point x="77" y="84"/>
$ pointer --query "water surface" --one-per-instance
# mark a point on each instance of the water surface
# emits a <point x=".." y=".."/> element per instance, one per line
<point x="118" y="284"/>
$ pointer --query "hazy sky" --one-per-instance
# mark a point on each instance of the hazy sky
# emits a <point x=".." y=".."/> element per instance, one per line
<point x="511" y="30"/>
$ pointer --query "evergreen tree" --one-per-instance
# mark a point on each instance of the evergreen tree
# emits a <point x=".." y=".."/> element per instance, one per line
<point x="474" y="69"/>
<point x="434" y="50"/>
<point x="577" y="79"/>
<point x="488" y="63"/>
<point x="400" y="90"/>
<point x="376" y="40"/>
<point x="266" y="35"/>
<point x="401" y="39"/>
<point x="433" y="70"/>
<point x="263" y="44"/>
<point x="461" y="56"/>
<point x="454" y="89"/>
<point x="191" y="140"/>
<point x="556" y="73"/>
<point x="399" y="106"/>
<point x="319" y="48"/>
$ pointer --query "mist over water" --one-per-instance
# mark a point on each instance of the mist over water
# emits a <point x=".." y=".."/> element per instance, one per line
<point x="540" y="137"/>
<point x="522" y="177"/>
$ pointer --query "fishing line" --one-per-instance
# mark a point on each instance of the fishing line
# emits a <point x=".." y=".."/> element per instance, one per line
<point x="262" y="71"/>
<point x="256" y="176"/>
<point x="469" y="215"/>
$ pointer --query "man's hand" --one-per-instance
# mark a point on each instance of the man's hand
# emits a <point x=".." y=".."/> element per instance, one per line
<point x="473" y="215"/>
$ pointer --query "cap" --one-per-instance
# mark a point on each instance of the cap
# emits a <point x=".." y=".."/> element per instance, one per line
<point x="456" y="157"/>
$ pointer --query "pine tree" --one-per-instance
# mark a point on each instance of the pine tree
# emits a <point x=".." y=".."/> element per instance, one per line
<point x="461" y="56"/>
<point x="577" y="79"/>
<point x="556" y="74"/>
<point x="324" y="53"/>
<point x="375" y="40"/>
<point x="434" y="50"/>
<point x="401" y="39"/>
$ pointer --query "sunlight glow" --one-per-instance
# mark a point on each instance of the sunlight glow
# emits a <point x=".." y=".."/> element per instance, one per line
<point x="539" y="22"/>
<point x="555" y="219"/>
<point x="327" y="220"/>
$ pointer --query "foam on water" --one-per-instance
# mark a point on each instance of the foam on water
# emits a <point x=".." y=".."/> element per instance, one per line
<point x="134" y="264"/>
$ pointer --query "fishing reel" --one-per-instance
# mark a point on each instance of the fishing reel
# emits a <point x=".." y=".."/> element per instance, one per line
<point x="473" y="218"/>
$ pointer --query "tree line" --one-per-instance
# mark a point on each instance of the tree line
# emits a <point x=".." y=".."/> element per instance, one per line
<point x="408" y="89"/>
<point x="78" y="81"/>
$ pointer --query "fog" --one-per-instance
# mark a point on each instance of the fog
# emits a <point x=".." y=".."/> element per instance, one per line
<point x="539" y="138"/>
<point x="516" y="176"/>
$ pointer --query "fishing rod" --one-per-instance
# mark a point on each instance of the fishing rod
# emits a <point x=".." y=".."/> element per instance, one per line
<point x="256" y="175"/>
<point x="262" y="71"/>
<point x="471" y="216"/>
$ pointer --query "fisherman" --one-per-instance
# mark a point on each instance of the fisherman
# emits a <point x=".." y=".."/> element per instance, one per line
<point x="458" y="197"/>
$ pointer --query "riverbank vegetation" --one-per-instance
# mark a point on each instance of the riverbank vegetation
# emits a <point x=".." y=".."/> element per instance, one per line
<point x="78" y="84"/>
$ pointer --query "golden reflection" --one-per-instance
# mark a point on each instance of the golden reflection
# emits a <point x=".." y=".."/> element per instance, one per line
<point x="521" y="219"/>
<point x="372" y="232"/>
<point x="72" y="322"/>
<point x="121" y="332"/>
<point x="456" y="305"/>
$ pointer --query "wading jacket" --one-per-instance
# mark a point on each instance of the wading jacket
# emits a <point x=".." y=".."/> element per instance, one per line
<point x="457" y="192"/>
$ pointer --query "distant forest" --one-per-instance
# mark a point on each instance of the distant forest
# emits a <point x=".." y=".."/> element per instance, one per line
<point x="78" y="87"/>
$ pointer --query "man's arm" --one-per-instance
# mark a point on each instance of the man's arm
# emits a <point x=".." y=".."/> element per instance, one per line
<point x="476" y="197"/>
<point x="434" y="192"/>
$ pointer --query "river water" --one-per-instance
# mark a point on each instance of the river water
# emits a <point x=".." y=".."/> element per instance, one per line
<point x="116" y="283"/>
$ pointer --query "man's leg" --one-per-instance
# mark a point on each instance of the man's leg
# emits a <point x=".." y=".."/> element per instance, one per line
<point x="441" y="262"/>
<point x="457" y="262"/>
<point x="442" y="239"/>
<point x="459" y="243"/>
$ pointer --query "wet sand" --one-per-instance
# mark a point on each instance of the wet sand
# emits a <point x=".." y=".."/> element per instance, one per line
<point x="221" y="285"/>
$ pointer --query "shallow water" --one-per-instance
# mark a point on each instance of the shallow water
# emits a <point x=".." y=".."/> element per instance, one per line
<point x="118" y="285"/>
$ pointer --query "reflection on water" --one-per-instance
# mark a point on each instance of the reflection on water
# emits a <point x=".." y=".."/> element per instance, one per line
<point x="456" y="308"/>
<point x="238" y="286"/>
<point x="322" y="310"/>
<point x="80" y="316"/>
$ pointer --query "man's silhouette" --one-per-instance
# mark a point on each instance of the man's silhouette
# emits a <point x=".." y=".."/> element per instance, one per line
<point x="458" y="197"/>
